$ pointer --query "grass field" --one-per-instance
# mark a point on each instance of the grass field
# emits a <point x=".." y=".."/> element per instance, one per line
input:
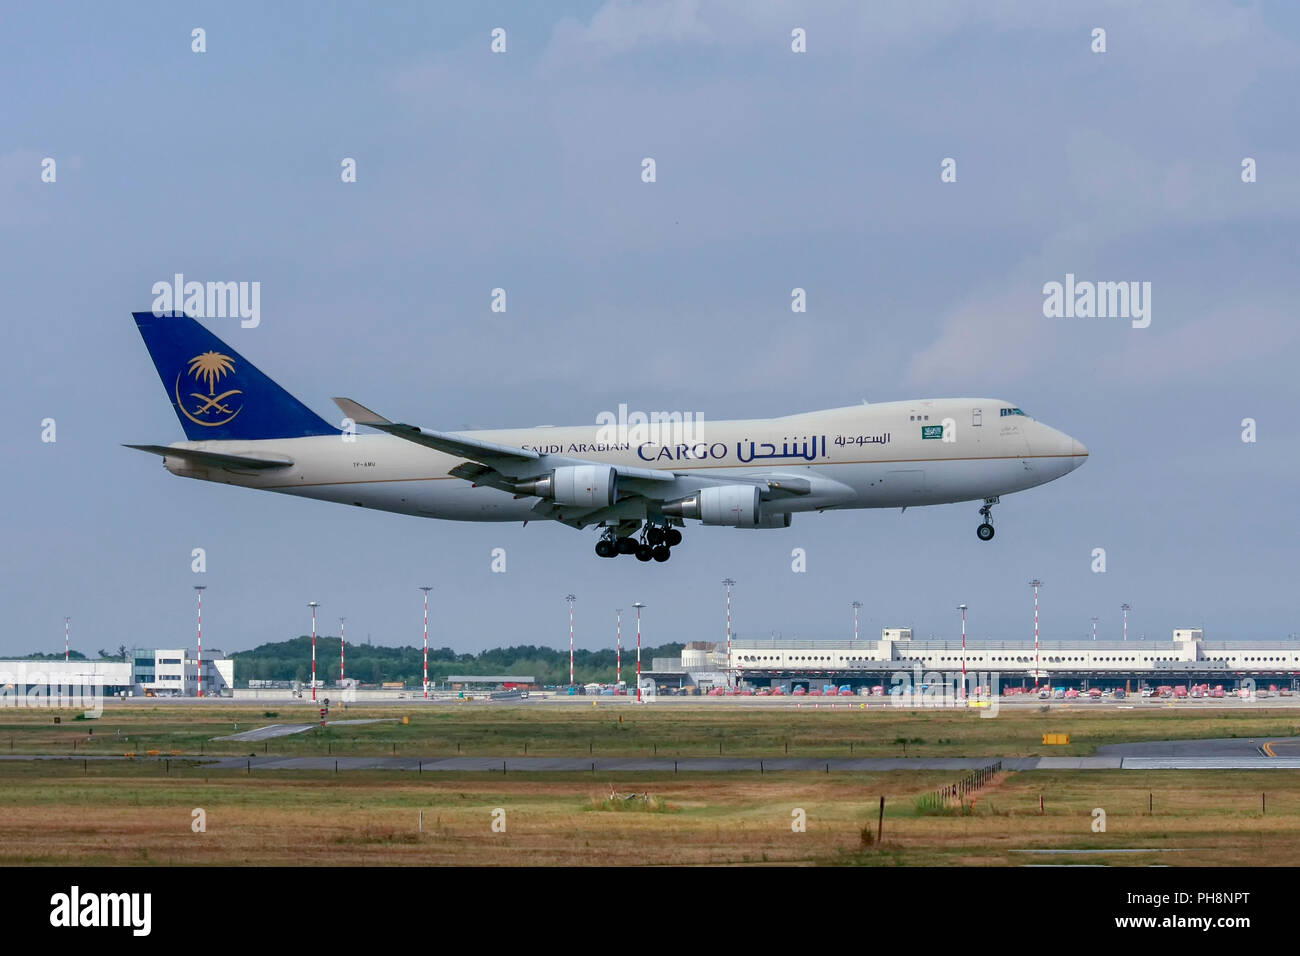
<point x="563" y="730"/>
<point x="123" y="814"/>
<point x="141" y="812"/>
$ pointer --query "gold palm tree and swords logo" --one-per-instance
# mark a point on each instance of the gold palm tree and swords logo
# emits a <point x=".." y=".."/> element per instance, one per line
<point x="208" y="369"/>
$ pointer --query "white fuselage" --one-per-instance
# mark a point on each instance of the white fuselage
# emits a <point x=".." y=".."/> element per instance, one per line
<point x="872" y="456"/>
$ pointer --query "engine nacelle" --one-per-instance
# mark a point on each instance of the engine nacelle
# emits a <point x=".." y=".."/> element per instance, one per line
<point x="582" y="486"/>
<point x="735" y="506"/>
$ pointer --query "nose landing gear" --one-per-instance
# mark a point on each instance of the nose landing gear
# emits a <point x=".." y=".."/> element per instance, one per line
<point x="985" y="530"/>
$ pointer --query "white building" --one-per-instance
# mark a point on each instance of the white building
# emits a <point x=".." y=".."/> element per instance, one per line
<point x="1187" y="655"/>
<point x="169" y="672"/>
<point x="174" y="672"/>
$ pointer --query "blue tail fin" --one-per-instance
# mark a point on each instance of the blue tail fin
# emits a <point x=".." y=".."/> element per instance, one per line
<point x="216" y="392"/>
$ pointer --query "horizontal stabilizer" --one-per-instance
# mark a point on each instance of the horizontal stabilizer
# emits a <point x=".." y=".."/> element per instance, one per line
<point x="216" y="459"/>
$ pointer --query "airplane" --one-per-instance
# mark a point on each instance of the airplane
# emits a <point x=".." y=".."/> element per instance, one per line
<point x="638" y="486"/>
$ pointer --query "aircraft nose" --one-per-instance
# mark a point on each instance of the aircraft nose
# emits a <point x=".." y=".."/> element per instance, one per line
<point x="1079" y="450"/>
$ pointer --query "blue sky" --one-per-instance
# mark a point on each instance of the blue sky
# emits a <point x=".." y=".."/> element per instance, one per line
<point x="775" y="170"/>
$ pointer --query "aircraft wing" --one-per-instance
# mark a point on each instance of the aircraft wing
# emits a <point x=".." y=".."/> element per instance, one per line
<point x="503" y="466"/>
<point x="509" y="460"/>
<point x="218" y="459"/>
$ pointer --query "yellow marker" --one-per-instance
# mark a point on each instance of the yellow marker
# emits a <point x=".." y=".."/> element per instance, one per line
<point x="406" y="719"/>
<point x="593" y="703"/>
<point x="1056" y="738"/>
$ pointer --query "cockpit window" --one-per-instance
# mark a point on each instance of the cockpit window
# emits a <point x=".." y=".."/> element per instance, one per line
<point x="1004" y="412"/>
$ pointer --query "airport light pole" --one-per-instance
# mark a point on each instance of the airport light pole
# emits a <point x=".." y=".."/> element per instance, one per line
<point x="728" y="584"/>
<point x="638" y="605"/>
<point x="426" y="589"/>
<point x="1094" y="628"/>
<point x="342" y="653"/>
<point x="1036" y="584"/>
<point x="200" y="589"/>
<point x="855" y="606"/>
<point x="1125" y="608"/>
<point x="962" y="608"/>
<point x="570" y="598"/>
<point x="618" y="628"/>
<point x="67" y="637"/>
<point x="313" y="605"/>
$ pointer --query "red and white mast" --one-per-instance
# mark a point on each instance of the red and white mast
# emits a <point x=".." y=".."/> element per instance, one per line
<point x="426" y="589"/>
<point x="638" y="605"/>
<point x="200" y="588"/>
<point x="731" y="679"/>
<point x="313" y="605"/>
<point x="1036" y="584"/>
<point x="570" y="598"/>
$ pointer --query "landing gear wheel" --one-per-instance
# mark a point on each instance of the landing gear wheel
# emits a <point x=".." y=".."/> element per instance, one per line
<point x="644" y="552"/>
<point x="672" y="537"/>
<point x="985" y="531"/>
<point x="606" y="549"/>
<point x="655" y="536"/>
<point x="625" y="546"/>
<point x="661" y="553"/>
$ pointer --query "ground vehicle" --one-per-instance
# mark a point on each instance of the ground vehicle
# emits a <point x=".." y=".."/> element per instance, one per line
<point x="1095" y="693"/>
<point x="800" y="691"/>
<point x="1044" y="694"/>
<point x="1120" y="693"/>
<point x="878" y="690"/>
<point x="1071" y="694"/>
<point x="1218" y="691"/>
<point x="778" y="691"/>
<point x="846" y="690"/>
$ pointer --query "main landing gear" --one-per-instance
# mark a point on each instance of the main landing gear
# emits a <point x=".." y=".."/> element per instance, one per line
<point x="654" y="543"/>
<point x="985" y="531"/>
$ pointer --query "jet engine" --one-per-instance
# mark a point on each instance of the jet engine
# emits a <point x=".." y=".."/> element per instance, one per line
<point x="735" y="506"/>
<point x="583" y="486"/>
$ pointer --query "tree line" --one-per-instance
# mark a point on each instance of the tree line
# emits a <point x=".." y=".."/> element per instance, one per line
<point x="374" y="664"/>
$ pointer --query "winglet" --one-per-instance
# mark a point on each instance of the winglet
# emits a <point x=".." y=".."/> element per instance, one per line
<point x="359" y="413"/>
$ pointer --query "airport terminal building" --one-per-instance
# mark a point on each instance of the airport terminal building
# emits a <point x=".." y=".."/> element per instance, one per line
<point x="787" y="663"/>
<point x="146" y="672"/>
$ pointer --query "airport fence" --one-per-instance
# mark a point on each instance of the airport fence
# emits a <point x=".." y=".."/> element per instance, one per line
<point x="956" y="793"/>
